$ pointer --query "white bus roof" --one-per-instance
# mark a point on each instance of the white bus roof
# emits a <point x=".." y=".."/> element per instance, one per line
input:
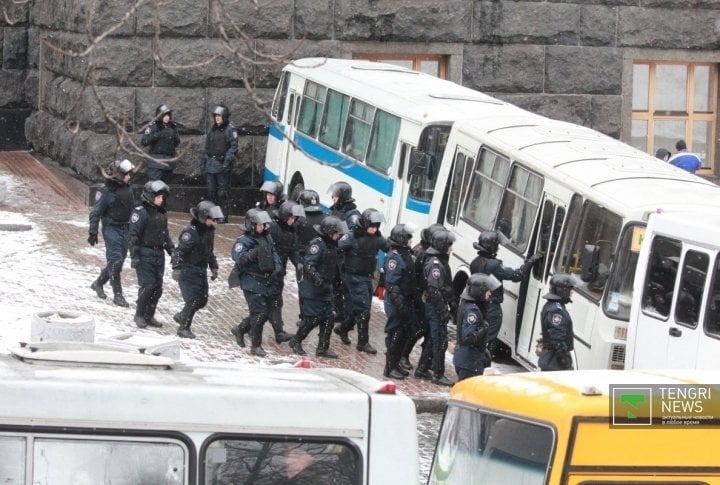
<point x="212" y="397"/>
<point x="413" y="95"/>
<point x="623" y="177"/>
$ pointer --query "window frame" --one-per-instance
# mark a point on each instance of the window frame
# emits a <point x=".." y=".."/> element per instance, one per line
<point x="416" y="60"/>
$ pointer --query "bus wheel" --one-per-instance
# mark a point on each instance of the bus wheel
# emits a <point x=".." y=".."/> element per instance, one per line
<point x="297" y="187"/>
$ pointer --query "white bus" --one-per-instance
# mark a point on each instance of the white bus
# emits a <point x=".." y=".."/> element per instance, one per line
<point x="433" y="151"/>
<point x="91" y="417"/>
<point x="580" y="198"/>
<point x="675" y="321"/>
<point x="360" y="122"/>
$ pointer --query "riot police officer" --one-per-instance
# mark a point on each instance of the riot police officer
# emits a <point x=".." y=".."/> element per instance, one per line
<point x="487" y="262"/>
<point x="148" y="240"/>
<point x="114" y="202"/>
<point x="163" y="138"/>
<point x="420" y="328"/>
<point x="305" y="226"/>
<point x="557" y="326"/>
<point x="471" y="355"/>
<point x="317" y="269"/>
<point x="258" y="265"/>
<point x="221" y="145"/>
<point x="400" y="287"/>
<point x="272" y="196"/>
<point x="359" y="248"/>
<point x="191" y="259"/>
<point x="285" y="238"/>
<point x="438" y="297"/>
<point x="344" y="208"/>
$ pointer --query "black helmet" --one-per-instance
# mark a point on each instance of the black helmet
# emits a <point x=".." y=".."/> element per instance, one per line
<point x="290" y="209"/>
<point x="442" y="240"/>
<point x="223" y="111"/>
<point x="477" y="285"/>
<point x="331" y="225"/>
<point x="426" y="234"/>
<point x="206" y="210"/>
<point x="310" y="200"/>
<point x="272" y="187"/>
<point x="163" y="110"/>
<point x="370" y="217"/>
<point x="402" y="233"/>
<point x="489" y="241"/>
<point x="253" y="217"/>
<point x="561" y="284"/>
<point x="153" y="189"/>
<point x="342" y="191"/>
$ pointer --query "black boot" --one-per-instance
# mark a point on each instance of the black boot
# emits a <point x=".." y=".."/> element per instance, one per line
<point x="239" y="332"/>
<point x="342" y="333"/>
<point x="423" y="374"/>
<point x="442" y="381"/>
<point x="362" y="321"/>
<point x="296" y="346"/>
<point x="141" y="306"/>
<point x="97" y="285"/>
<point x="323" y="348"/>
<point x="155" y="295"/>
<point x="393" y="373"/>
<point x="118" y="299"/>
<point x="257" y="320"/>
<point x="186" y="318"/>
<point x="405" y="363"/>
<point x="305" y="325"/>
<point x="275" y="318"/>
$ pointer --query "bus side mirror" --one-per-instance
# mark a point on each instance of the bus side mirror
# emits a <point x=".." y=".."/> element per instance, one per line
<point x="590" y="260"/>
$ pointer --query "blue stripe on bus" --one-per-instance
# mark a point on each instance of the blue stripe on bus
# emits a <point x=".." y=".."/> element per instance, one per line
<point x="276" y="130"/>
<point x="269" y="176"/>
<point x="344" y="164"/>
<point x="417" y="205"/>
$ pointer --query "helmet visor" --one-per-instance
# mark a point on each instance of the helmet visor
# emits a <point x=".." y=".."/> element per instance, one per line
<point x="215" y="213"/>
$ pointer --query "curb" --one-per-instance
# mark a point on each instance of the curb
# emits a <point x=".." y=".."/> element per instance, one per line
<point x="430" y="404"/>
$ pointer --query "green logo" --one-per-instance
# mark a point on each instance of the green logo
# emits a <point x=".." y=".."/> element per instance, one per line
<point x="631" y="406"/>
<point x="634" y="400"/>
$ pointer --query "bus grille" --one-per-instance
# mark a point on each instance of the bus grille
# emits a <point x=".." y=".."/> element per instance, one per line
<point x="617" y="356"/>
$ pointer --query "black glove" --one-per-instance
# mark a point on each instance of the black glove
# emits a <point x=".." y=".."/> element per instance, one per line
<point x="445" y="316"/>
<point x="535" y="258"/>
<point x="316" y="278"/>
<point x="92" y="238"/>
<point x="135" y="261"/>
<point x="214" y="273"/>
<point x="277" y="276"/>
<point x="169" y="250"/>
<point x="176" y="274"/>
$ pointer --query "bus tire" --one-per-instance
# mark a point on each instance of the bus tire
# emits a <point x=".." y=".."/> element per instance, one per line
<point x="60" y="326"/>
<point x="295" y="190"/>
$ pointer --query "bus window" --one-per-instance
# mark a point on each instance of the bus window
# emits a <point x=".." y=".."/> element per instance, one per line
<point x="433" y="141"/>
<point x="619" y="295"/>
<point x="12" y="459"/>
<point x="712" y="314"/>
<point x="70" y="461"/>
<point x="486" y="189"/>
<point x="661" y="275"/>
<point x="501" y="450"/>
<point x="597" y="227"/>
<point x="230" y="461"/>
<point x="311" y="109"/>
<point x="336" y="110"/>
<point x="550" y="226"/>
<point x="456" y="189"/>
<point x="357" y="131"/>
<point x="383" y="141"/>
<point x="278" y="107"/>
<point x="520" y="205"/>
<point x="692" y="284"/>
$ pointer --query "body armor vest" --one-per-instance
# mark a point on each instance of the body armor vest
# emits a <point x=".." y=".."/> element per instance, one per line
<point x="363" y="259"/>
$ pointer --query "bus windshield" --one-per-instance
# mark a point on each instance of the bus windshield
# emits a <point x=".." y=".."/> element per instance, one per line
<point x="499" y="449"/>
<point x="619" y="295"/>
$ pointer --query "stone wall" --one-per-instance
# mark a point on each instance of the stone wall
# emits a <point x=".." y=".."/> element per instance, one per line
<point x="563" y="58"/>
<point x="17" y="80"/>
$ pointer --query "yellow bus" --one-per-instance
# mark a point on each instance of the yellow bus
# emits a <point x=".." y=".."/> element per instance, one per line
<point x="595" y="427"/>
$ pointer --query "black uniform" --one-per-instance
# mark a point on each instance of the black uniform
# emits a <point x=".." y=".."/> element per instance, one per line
<point x="558" y="337"/>
<point x="163" y="140"/>
<point x="400" y="288"/>
<point x="114" y="202"/>
<point x="193" y="256"/>
<point x="221" y="145"/>
<point x="438" y="295"/>
<point x="345" y="211"/>
<point x="471" y="357"/>
<point x="285" y="239"/>
<point x="149" y="239"/>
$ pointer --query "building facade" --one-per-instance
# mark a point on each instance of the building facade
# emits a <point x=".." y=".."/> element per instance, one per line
<point x="644" y="71"/>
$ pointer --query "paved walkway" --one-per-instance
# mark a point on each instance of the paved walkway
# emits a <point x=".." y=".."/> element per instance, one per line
<point x="53" y="205"/>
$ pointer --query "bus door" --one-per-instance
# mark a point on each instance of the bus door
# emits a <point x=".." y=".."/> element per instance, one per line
<point x="668" y="328"/>
<point x="545" y="241"/>
<point x="401" y="188"/>
<point x="456" y="189"/>
<point x="294" y="98"/>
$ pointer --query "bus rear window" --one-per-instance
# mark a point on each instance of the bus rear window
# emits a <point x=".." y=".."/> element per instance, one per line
<point x="502" y="450"/>
<point x="230" y="461"/>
